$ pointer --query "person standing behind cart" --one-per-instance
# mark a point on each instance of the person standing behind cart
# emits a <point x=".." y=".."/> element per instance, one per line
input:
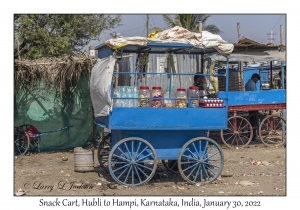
<point x="251" y="86"/>
<point x="203" y="85"/>
<point x="200" y="82"/>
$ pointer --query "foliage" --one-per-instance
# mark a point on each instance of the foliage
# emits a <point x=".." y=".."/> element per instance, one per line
<point x="191" y="22"/>
<point x="50" y="35"/>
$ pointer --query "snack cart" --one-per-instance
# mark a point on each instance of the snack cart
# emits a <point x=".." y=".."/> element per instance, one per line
<point x="142" y="136"/>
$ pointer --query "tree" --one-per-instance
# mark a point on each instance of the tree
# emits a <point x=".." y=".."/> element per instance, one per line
<point x="191" y="22"/>
<point x="48" y="35"/>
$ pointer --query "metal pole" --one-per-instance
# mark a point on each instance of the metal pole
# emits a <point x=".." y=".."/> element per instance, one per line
<point x="242" y="87"/>
<point x="281" y="35"/>
<point x="271" y="76"/>
<point x="202" y="64"/>
<point x="271" y="37"/>
<point x="227" y="79"/>
<point x="200" y="56"/>
<point x="170" y="86"/>
<point x="147" y="26"/>
<point x="239" y="30"/>
<point x="282" y="76"/>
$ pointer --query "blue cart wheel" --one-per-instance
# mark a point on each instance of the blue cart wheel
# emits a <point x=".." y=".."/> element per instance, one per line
<point x="132" y="161"/>
<point x="171" y="165"/>
<point x="200" y="160"/>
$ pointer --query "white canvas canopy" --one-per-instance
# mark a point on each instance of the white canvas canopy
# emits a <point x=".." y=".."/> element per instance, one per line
<point x="177" y="34"/>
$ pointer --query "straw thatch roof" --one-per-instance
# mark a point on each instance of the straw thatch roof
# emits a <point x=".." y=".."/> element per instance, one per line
<point x="247" y="45"/>
<point x="62" y="72"/>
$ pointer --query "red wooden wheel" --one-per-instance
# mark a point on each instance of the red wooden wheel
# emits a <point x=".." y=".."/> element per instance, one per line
<point x="21" y="142"/>
<point x="239" y="132"/>
<point x="272" y="131"/>
<point x="30" y="130"/>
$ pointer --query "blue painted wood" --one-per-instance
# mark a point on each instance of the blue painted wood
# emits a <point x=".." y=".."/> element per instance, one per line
<point x="167" y="143"/>
<point x="104" y="51"/>
<point x="167" y="153"/>
<point x="128" y="118"/>
<point x="161" y="48"/>
<point x="274" y="96"/>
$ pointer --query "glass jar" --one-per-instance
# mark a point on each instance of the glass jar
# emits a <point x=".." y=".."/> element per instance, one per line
<point x="156" y="93"/>
<point x="169" y="103"/>
<point x="181" y="98"/>
<point x="144" y="95"/>
<point x="193" y="95"/>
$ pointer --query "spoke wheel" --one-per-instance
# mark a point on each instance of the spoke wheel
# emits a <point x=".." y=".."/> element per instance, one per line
<point x="22" y="142"/>
<point x="132" y="161"/>
<point x="239" y="132"/>
<point x="103" y="151"/>
<point x="33" y="136"/>
<point x="272" y="131"/>
<point x="200" y="160"/>
<point x="171" y="166"/>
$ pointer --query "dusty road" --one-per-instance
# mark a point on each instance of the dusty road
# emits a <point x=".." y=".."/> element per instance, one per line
<point x="47" y="174"/>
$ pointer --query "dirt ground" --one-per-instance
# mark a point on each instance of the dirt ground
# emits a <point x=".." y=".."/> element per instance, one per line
<point x="50" y="174"/>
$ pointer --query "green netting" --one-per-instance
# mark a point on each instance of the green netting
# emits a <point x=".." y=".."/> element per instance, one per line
<point x="48" y="110"/>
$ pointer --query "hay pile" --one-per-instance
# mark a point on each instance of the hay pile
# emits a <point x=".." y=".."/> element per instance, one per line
<point x="63" y="72"/>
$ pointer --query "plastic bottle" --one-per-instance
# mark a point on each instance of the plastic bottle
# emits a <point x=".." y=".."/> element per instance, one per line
<point x="169" y="103"/>
<point x="129" y="95"/>
<point x="117" y="94"/>
<point x="144" y="94"/>
<point x="156" y="93"/>
<point x="124" y="102"/>
<point x="181" y="98"/>
<point x="193" y="93"/>
<point x="135" y="95"/>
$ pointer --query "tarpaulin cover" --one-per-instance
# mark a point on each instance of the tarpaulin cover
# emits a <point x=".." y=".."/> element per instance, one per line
<point x="100" y="84"/>
<point x="177" y="34"/>
<point x="48" y="110"/>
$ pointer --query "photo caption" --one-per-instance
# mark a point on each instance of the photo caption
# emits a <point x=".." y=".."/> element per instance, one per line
<point x="142" y="202"/>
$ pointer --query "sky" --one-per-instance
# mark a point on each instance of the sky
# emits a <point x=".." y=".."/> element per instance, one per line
<point x="257" y="27"/>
